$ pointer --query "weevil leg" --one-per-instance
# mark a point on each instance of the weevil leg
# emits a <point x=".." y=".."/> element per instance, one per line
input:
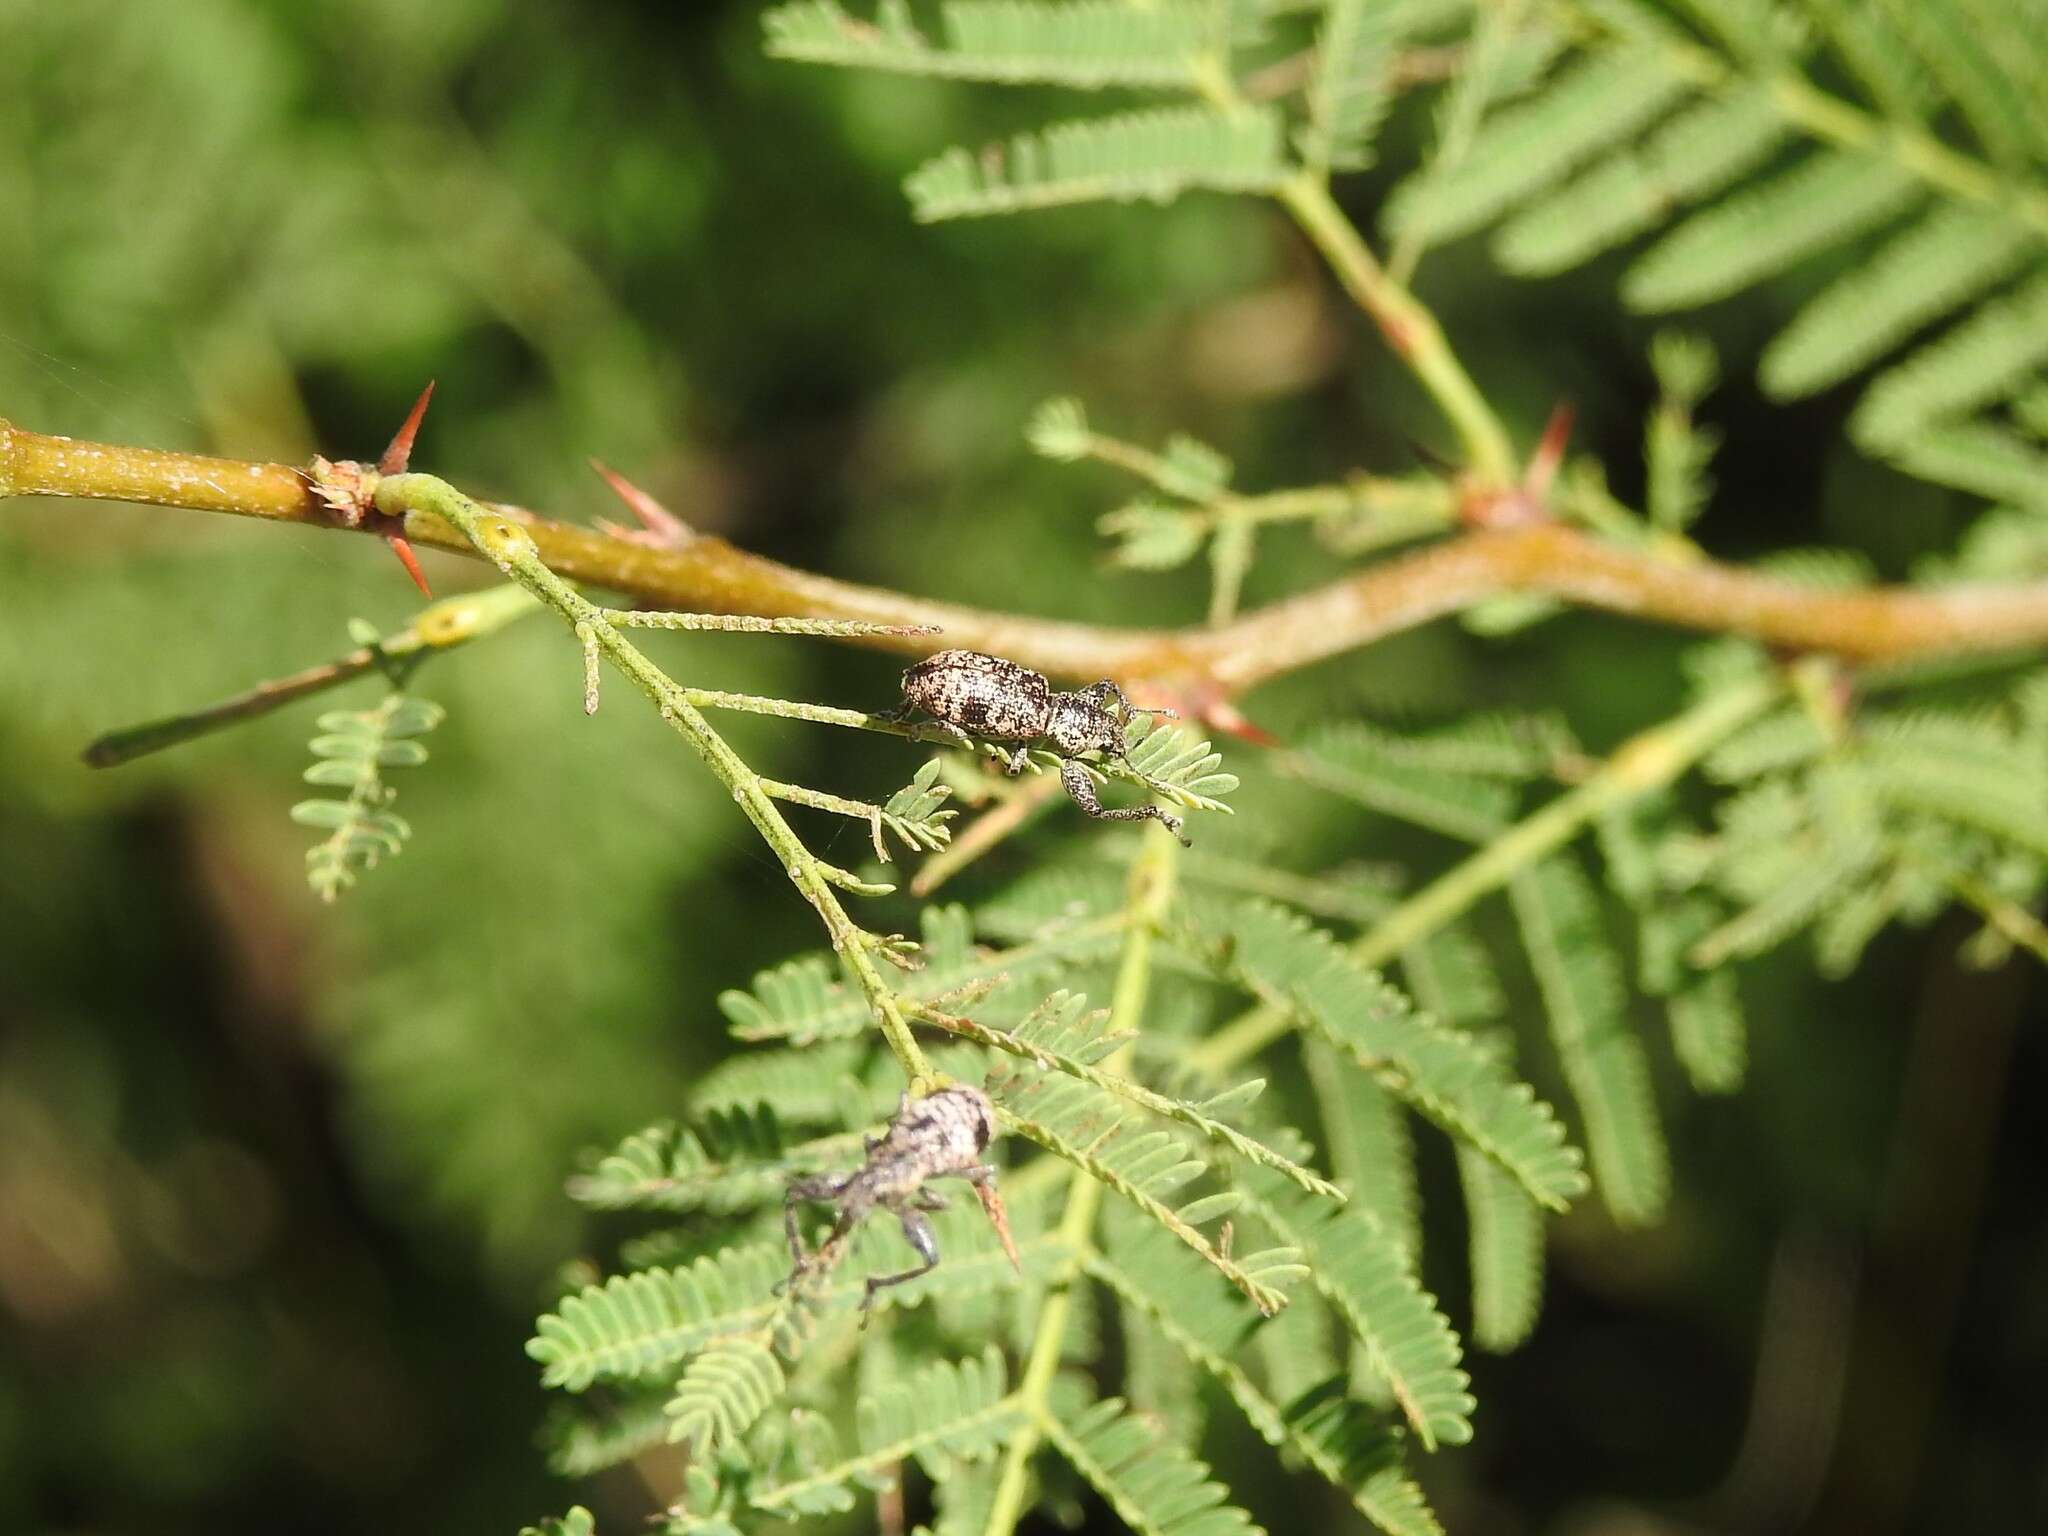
<point x="815" y="1187"/>
<point x="902" y="1109"/>
<point x="918" y="1232"/>
<point x="1081" y="790"/>
<point x="1017" y="762"/>
<point x="928" y="1199"/>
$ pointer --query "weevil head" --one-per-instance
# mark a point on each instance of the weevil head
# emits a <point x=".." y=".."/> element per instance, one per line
<point x="1080" y="722"/>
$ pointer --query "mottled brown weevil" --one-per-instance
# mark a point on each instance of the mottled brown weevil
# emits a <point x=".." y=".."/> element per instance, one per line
<point x="1001" y="701"/>
<point x="942" y="1135"/>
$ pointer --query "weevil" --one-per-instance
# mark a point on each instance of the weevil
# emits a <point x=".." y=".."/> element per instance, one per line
<point x="1002" y="701"/>
<point x="942" y="1135"/>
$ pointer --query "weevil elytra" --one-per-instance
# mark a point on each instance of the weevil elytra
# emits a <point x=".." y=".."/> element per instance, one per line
<point x="1001" y="701"/>
<point x="942" y="1135"/>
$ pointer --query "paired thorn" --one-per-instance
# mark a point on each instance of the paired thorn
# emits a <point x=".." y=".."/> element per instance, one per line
<point x="659" y="528"/>
<point x="348" y="489"/>
<point x="402" y="547"/>
<point x="1549" y="454"/>
<point x="397" y="454"/>
<point x="1529" y="502"/>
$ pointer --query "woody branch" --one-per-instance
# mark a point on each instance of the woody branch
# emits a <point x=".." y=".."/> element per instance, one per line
<point x="707" y="574"/>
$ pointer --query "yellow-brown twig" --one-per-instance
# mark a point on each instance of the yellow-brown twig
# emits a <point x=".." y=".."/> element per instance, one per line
<point x="710" y="575"/>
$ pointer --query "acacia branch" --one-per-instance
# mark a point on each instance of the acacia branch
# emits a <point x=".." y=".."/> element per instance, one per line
<point x="708" y="574"/>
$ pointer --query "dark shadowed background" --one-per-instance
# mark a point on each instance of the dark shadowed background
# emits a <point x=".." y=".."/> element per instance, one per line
<point x="280" y="1184"/>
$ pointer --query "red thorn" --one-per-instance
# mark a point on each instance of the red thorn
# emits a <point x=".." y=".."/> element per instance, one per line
<point x="1225" y="717"/>
<point x="1549" y="452"/>
<point x="660" y="526"/>
<point x="409" y="560"/>
<point x="399" y="453"/>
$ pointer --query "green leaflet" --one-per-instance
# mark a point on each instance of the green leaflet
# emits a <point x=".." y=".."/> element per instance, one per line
<point x="1657" y="119"/>
<point x="1453" y="976"/>
<point x="640" y="1325"/>
<point x="1769" y="226"/>
<point x="1708" y="1033"/>
<point x="1174" y="763"/>
<point x="806" y="1000"/>
<point x="1580" y="976"/>
<point x="1347" y="93"/>
<point x="735" y="1162"/>
<point x="577" y="1522"/>
<point x="1155" y="1487"/>
<point x="1787" y="737"/>
<point x="1082" y="1124"/>
<point x="1367" y="765"/>
<point x="1986" y="358"/>
<point x="1506" y="1248"/>
<point x="1970" y="771"/>
<point x="1344" y="1441"/>
<point x="819" y="1085"/>
<point x="1589" y="105"/>
<point x="1676" y="448"/>
<point x="585" y="1439"/>
<point x="1697" y="152"/>
<point x="1084" y="43"/>
<point x="1984" y="457"/>
<point x="1443" y="1074"/>
<point x="1371" y="1148"/>
<point x="1155" y="155"/>
<point x="725" y="1389"/>
<point x="353" y="750"/>
<point x="1054" y="900"/>
<point x="634" y="1325"/>
<point x="1347" y="1443"/>
<point x="1941" y="261"/>
<point x="945" y="1414"/>
<point x="1061" y="1036"/>
<point x="1360" y="1267"/>
<point x="1950" y="47"/>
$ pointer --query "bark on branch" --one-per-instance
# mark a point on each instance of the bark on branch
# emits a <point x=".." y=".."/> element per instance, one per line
<point x="710" y="575"/>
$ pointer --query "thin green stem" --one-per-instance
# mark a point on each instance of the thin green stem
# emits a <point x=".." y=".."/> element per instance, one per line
<point x="2012" y="922"/>
<point x="508" y="546"/>
<point x="450" y="622"/>
<point x="1150" y="893"/>
<point x="1642" y="765"/>
<point x="840" y="629"/>
<point x="838" y="805"/>
<point x="1410" y="329"/>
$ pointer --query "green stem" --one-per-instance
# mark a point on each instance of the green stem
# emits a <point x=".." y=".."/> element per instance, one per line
<point x="1642" y="765"/>
<point x="1151" y="891"/>
<point x="508" y="546"/>
<point x="451" y="622"/>
<point x="1410" y="329"/>
<point x="2009" y="919"/>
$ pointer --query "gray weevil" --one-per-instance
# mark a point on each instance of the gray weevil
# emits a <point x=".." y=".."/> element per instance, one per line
<point x="939" y="1136"/>
<point x="1002" y="701"/>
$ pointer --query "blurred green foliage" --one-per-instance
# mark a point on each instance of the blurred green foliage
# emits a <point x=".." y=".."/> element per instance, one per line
<point x="280" y="1184"/>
